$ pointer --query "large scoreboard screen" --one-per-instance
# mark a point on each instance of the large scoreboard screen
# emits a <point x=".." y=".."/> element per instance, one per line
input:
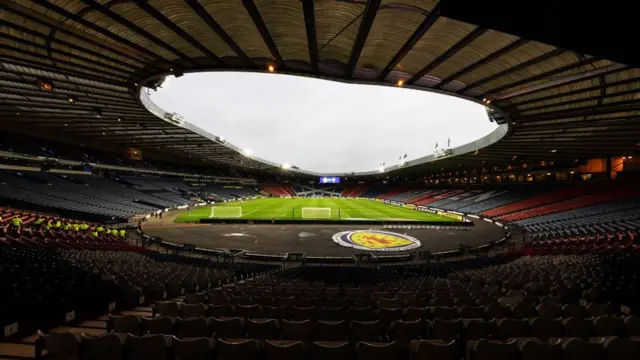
<point x="329" y="180"/>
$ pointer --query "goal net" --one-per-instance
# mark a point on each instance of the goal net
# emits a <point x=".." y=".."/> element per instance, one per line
<point x="316" y="213"/>
<point x="226" y="212"/>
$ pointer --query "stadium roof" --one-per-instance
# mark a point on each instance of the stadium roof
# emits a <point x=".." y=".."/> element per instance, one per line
<point x="575" y="99"/>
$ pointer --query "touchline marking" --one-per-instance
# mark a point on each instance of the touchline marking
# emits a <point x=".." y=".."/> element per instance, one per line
<point x="250" y="212"/>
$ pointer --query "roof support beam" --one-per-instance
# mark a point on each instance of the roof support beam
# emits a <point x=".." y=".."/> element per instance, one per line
<point x="447" y="54"/>
<point x="176" y="29"/>
<point x="597" y="73"/>
<point x="252" y="9"/>
<point x="135" y="28"/>
<point x="610" y="121"/>
<point x="75" y="106"/>
<point x="120" y="70"/>
<point x="13" y="60"/>
<point x="310" y="26"/>
<point x="50" y="23"/>
<point x="495" y="92"/>
<point x="521" y="66"/>
<point x="54" y="61"/>
<point x="493" y="56"/>
<point x="620" y="106"/>
<point x="422" y="29"/>
<point x="71" y="46"/>
<point x="370" y="12"/>
<point x="213" y="24"/>
<point x="574" y="92"/>
<point x="603" y="95"/>
<point x="102" y="31"/>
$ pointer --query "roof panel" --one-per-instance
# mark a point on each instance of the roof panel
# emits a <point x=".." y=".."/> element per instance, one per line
<point x="556" y="62"/>
<point x="536" y="97"/>
<point x="520" y="55"/>
<point x="112" y="26"/>
<point x="235" y="20"/>
<point x="285" y="21"/>
<point x="179" y="12"/>
<point x="442" y="35"/>
<point x="336" y="27"/>
<point x="483" y="46"/>
<point x="148" y="23"/>
<point x="390" y="30"/>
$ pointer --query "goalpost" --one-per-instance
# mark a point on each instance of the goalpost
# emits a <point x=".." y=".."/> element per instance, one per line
<point x="226" y="212"/>
<point x="316" y="213"/>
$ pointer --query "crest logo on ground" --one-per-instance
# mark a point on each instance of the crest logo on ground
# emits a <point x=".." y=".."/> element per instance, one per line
<point x="376" y="240"/>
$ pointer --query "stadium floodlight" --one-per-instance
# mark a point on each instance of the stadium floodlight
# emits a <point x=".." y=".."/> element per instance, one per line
<point x="286" y="166"/>
<point x="248" y="152"/>
<point x="271" y="68"/>
<point x="554" y="150"/>
<point x="221" y="138"/>
<point x="381" y="169"/>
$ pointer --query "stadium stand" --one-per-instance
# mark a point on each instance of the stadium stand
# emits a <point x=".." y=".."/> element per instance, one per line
<point x="76" y="271"/>
<point x="501" y="198"/>
<point x="404" y="197"/>
<point x="424" y="196"/>
<point x="556" y="195"/>
<point x="85" y="194"/>
<point x="375" y="191"/>
<point x="278" y="190"/>
<point x="438" y="197"/>
<point x="606" y="194"/>
<point x="354" y="191"/>
<point x="228" y="193"/>
<point x="621" y="215"/>
<point x="317" y="190"/>
<point x="471" y="310"/>
<point x="394" y="192"/>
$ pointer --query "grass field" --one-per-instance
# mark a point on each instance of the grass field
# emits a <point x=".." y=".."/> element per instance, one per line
<point x="291" y="209"/>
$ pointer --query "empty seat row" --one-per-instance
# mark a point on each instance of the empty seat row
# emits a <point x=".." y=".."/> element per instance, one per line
<point x="376" y="330"/>
<point x="519" y="311"/>
<point x="159" y="347"/>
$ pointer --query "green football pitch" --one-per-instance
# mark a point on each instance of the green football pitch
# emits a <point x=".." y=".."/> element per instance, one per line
<point x="308" y="209"/>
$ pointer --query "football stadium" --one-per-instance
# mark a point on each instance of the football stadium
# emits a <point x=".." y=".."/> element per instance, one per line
<point x="315" y="179"/>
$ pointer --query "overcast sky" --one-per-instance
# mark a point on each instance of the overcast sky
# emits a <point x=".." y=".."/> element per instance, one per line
<point x="321" y="125"/>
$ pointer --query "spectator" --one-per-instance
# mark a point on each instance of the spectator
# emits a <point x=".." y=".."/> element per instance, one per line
<point x="16" y="222"/>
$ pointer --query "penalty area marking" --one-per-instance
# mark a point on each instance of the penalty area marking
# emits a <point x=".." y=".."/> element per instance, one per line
<point x="250" y="212"/>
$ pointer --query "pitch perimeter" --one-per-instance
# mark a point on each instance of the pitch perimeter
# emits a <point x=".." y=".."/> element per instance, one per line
<point x="292" y="209"/>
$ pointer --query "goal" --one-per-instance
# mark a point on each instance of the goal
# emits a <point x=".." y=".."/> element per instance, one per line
<point x="226" y="212"/>
<point x="316" y="213"/>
